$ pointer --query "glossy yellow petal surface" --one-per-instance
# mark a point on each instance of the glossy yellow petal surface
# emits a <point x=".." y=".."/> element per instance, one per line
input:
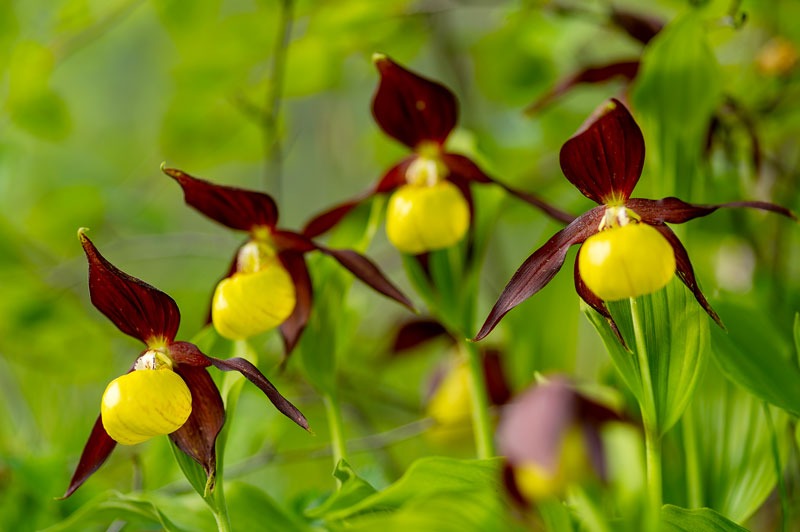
<point x="423" y="217"/>
<point x="145" y="403"/>
<point x="627" y="261"/>
<point x="247" y="304"/>
<point x="534" y="481"/>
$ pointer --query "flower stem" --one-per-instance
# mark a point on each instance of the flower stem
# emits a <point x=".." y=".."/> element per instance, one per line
<point x="481" y="421"/>
<point x="220" y="509"/>
<point x="647" y="404"/>
<point x="336" y="426"/>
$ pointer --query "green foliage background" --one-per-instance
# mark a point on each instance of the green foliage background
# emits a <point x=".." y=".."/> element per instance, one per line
<point x="97" y="94"/>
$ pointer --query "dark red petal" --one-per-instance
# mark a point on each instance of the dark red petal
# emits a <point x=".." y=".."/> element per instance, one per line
<point x="292" y="328"/>
<point x="233" y="207"/>
<point x="198" y="436"/>
<point x="368" y="272"/>
<point x="594" y="74"/>
<point x="641" y="27"/>
<point x="325" y="221"/>
<point x="256" y="377"/>
<point x="291" y="241"/>
<point x="463" y="167"/>
<point x="135" y="307"/>
<point x="596" y="303"/>
<point x="685" y="271"/>
<point x="675" y="211"/>
<point x="411" y="108"/>
<point x="415" y="332"/>
<point x="497" y="386"/>
<point x="604" y="159"/>
<point x="541" y="267"/>
<point x="185" y="353"/>
<point x="95" y="453"/>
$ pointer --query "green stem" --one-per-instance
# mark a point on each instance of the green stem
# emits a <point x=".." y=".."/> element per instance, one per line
<point x="336" y="426"/>
<point x="220" y="508"/>
<point x="649" y="414"/>
<point x="694" y="480"/>
<point x="776" y="456"/>
<point x="481" y="421"/>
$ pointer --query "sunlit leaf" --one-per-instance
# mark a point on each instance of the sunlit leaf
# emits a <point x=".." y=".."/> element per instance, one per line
<point x="676" y="91"/>
<point x="113" y="506"/>
<point x="675" y="519"/>
<point x="428" y="477"/>
<point x="352" y="490"/>
<point x="254" y="510"/>
<point x="733" y="447"/>
<point x="674" y="329"/>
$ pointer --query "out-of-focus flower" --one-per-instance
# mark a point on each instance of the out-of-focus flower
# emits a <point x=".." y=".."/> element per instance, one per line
<point x="268" y="283"/>
<point x="168" y="390"/>
<point x="448" y="396"/>
<point x="550" y="438"/>
<point x="777" y="57"/>
<point x="627" y="248"/>
<point x="431" y="201"/>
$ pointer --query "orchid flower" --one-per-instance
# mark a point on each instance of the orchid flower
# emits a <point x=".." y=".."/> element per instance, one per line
<point x="430" y="206"/>
<point x="628" y="250"/>
<point x="550" y="436"/>
<point x="168" y="390"/>
<point x="268" y="284"/>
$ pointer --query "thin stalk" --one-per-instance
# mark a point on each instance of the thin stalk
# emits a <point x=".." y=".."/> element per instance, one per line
<point x="220" y="509"/>
<point x="649" y="415"/>
<point x="694" y="481"/>
<point x="776" y="456"/>
<point x="481" y="421"/>
<point x="336" y="425"/>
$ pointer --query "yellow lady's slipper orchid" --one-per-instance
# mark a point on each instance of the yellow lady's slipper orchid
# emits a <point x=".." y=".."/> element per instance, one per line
<point x="425" y="217"/>
<point x="145" y="403"/>
<point x="627" y="261"/>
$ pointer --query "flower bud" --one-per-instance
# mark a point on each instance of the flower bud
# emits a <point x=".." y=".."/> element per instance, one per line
<point x="626" y="261"/>
<point x="422" y="217"/>
<point x="145" y="403"/>
<point x="249" y="303"/>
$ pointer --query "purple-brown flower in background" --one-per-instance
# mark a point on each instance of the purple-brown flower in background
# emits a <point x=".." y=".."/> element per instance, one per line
<point x="550" y="436"/>
<point x="168" y="390"/>
<point x="268" y="283"/>
<point x="627" y="248"/>
<point x="431" y="202"/>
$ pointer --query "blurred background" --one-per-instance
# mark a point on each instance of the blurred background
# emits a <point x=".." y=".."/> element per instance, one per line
<point x="97" y="94"/>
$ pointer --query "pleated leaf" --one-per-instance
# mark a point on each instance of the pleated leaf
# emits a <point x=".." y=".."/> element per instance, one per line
<point x="733" y="442"/>
<point x="754" y="354"/>
<point x="676" y="91"/>
<point x="676" y="339"/>
<point x="675" y="519"/>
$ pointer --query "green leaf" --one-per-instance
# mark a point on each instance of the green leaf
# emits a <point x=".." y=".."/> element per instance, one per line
<point x="428" y="477"/>
<point x="675" y="340"/>
<point x="353" y="489"/>
<point x="797" y="336"/>
<point x="755" y="355"/>
<point x="676" y="519"/>
<point x="193" y="471"/>
<point x="252" y="509"/>
<point x="676" y="91"/>
<point x="113" y="506"/>
<point x="734" y="479"/>
<point x="447" y="512"/>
